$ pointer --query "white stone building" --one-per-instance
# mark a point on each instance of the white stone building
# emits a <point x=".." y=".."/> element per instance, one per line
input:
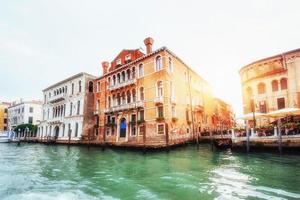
<point x="68" y="109"/>
<point x="24" y="112"/>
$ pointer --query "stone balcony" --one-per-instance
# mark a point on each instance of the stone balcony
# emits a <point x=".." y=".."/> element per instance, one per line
<point x="122" y="84"/>
<point x="57" y="98"/>
<point x="56" y="120"/>
<point x="159" y="100"/>
<point x="128" y="106"/>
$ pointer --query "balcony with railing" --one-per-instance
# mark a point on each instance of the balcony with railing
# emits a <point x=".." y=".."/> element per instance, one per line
<point x="159" y="100"/>
<point x="57" y="98"/>
<point x="56" y="120"/>
<point x="122" y="84"/>
<point x="127" y="106"/>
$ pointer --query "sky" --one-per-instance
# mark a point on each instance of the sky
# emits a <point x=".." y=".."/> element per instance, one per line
<point x="43" y="42"/>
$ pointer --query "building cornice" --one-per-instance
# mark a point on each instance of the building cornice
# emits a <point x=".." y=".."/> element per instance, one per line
<point x="270" y="59"/>
<point x="164" y="48"/>
<point x="26" y="102"/>
<point x="70" y="78"/>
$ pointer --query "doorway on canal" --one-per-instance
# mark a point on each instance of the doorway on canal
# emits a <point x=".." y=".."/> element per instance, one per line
<point x="56" y="131"/>
<point x="123" y="127"/>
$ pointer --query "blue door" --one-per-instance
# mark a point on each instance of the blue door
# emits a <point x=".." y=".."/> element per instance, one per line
<point x="123" y="127"/>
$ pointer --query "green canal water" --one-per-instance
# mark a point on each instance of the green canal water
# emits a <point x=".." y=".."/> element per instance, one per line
<point x="34" y="171"/>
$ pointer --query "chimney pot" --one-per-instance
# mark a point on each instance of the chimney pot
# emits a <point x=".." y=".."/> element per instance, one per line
<point x="149" y="42"/>
<point x="105" y="66"/>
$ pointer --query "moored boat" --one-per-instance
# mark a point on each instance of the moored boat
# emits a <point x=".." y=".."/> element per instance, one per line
<point x="4" y="138"/>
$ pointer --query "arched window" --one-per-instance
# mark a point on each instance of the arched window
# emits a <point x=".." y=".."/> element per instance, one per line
<point x="60" y="91"/>
<point x="123" y="98"/>
<point x="142" y="94"/>
<point x="141" y="70"/>
<point x="119" y="99"/>
<point x="128" y="97"/>
<point x="91" y="86"/>
<point x="109" y="81"/>
<point x="109" y="101"/>
<point x="133" y="95"/>
<point x="118" y="78"/>
<point x="76" y="129"/>
<point x="54" y="92"/>
<point x="63" y="90"/>
<point x="170" y="65"/>
<point x="128" y="74"/>
<point x="79" y="86"/>
<point x="283" y="83"/>
<point x="114" y="80"/>
<point x="133" y="72"/>
<point x="274" y="85"/>
<point x="61" y="110"/>
<point x="158" y="63"/>
<point x="123" y="76"/>
<point x="159" y="88"/>
<point x="114" y="100"/>
<point x="261" y="88"/>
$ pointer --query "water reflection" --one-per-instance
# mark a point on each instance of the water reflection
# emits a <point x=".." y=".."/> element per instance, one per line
<point x="58" y="172"/>
<point x="230" y="181"/>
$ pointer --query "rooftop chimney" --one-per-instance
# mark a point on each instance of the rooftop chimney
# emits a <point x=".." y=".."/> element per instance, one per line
<point x="105" y="66"/>
<point x="149" y="42"/>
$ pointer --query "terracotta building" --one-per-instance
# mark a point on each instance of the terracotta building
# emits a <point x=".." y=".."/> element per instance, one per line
<point x="223" y="116"/>
<point x="151" y="99"/>
<point x="272" y="83"/>
<point x="3" y="116"/>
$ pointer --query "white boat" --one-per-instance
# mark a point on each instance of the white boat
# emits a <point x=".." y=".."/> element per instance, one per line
<point x="4" y="140"/>
<point x="5" y="137"/>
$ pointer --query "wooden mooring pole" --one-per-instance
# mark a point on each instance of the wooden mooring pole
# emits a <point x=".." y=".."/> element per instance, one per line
<point x="279" y="136"/>
<point x="211" y="140"/>
<point x="248" y="140"/>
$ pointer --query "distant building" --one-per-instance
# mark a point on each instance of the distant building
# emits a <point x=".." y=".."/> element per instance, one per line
<point x="223" y="116"/>
<point x="150" y="99"/>
<point x="68" y="109"/>
<point x="272" y="83"/>
<point x="4" y="116"/>
<point x="24" y="112"/>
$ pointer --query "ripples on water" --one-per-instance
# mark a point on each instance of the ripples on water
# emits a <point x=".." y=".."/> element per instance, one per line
<point x="56" y="172"/>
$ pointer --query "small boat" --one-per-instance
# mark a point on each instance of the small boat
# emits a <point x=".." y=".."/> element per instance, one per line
<point x="223" y="144"/>
<point x="4" y="138"/>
